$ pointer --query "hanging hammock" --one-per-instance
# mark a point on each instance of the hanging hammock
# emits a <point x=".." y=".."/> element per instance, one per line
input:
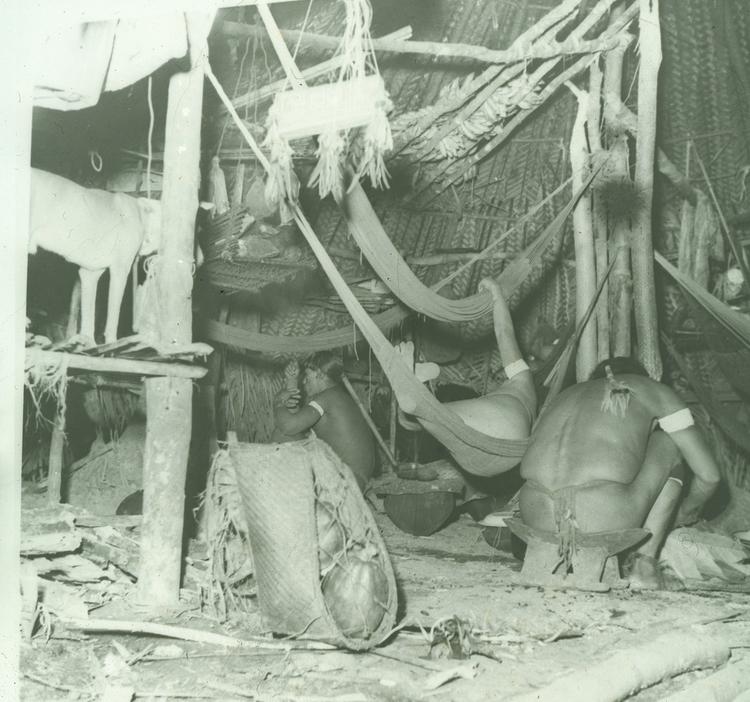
<point x="734" y="322"/>
<point x="733" y="427"/>
<point x="385" y="259"/>
<point x="726" y="330"/>
<point x="476" y="452"/>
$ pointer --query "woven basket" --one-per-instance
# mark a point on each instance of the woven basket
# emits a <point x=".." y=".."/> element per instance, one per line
<point x="278" y="485"/>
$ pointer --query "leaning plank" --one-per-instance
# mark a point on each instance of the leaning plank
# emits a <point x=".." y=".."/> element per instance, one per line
<point x="723" y="686"/>
<point x="628" y="671"/>
<point x="113" y="365"/>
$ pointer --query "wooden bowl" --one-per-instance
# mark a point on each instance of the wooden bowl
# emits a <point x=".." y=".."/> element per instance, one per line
<point x="420" y="514"/>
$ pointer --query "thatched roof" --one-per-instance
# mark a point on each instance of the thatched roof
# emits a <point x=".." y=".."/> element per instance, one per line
<point x="701" y="97"/>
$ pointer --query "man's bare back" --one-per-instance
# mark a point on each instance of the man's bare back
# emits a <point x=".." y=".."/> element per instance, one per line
<point x="577" y="442"/>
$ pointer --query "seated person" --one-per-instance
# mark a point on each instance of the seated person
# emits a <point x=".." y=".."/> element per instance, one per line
<point x="607" y="456"/>
<point x="331" y="413"/>
<point x="506" y="413"/>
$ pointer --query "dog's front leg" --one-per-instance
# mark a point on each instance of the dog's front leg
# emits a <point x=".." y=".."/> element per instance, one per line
<point x="89" y="279"/>
<point x="118" y="279"/>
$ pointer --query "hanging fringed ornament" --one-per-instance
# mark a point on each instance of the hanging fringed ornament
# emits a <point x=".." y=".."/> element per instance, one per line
<point x="217" y="188"/>
<point x="616" y="395"/>
<point x="352" y="111"/>
<point x="282" y="185"/>
<point x="327" y="174"/>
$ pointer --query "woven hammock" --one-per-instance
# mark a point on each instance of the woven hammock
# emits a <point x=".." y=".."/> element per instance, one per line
<point x="477" y="453"/>
<point x="733" y="427"/>
<point x="385" y="259"/>
<point x="726" y="330"/>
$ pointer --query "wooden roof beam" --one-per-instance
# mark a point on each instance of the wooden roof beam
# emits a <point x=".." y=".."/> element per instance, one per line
<point x="431" y="48"/>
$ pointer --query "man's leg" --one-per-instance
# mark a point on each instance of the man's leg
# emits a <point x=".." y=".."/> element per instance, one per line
<point x="661" y="466"/>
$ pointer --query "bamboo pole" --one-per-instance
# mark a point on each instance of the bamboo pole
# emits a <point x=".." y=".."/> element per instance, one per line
<point x="368" y="420"/>
<point x="583" y="239"/>
<point x="621" y="300"/>
<point x="642" y="253"/>
<point x="113" y="365"/>
<point x="434" y="48"/>
<point x="169" y="400"/>
<point x="599" y="215"/>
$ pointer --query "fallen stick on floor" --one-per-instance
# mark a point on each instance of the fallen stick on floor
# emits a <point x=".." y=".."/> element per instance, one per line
<point x="179" y="632"/>
<point x="633" y="669"/>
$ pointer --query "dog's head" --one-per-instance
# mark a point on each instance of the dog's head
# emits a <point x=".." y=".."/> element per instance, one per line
<point x="150" y="211"/>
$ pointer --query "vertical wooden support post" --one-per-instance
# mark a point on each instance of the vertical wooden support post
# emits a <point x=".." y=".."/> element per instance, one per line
<point x="583" y="239"/>
<point x="599" y="214"/>
<point x="169" y="400"/>
<point x="620" y="278"/>
<point x="644" y="292"/>
<point x="56" y="450"/>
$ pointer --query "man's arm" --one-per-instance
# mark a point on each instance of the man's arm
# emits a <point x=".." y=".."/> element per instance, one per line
<point x="706" y="473"/>
<point x="292" y="421"/>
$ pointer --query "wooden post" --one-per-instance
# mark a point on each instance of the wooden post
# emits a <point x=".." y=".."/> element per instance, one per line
<point x="599" y="214"/>
<point x="621" y="281"/>
<point x="55" y="466"/>
<point x="644" y="293"/>
<point x="169" y="400"/>
<point x="583" y="239"/>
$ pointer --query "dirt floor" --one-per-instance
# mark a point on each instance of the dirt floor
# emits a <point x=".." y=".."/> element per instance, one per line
<point x="526" y="637"/>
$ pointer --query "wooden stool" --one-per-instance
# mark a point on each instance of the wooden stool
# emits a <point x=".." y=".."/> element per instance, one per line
<point x="594" y="562"/>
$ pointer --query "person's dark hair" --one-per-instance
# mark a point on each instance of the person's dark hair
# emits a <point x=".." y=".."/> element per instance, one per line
<point x="620" y="365"/>
<point x="328" y="363"/>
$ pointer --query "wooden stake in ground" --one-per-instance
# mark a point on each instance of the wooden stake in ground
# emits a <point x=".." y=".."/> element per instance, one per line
<point x="584" y="239"/>
<point x="169" y="401"/>
<point x="642" y="252"/>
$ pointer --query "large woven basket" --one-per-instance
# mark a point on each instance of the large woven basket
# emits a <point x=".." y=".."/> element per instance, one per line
<point x="278" y="485"/>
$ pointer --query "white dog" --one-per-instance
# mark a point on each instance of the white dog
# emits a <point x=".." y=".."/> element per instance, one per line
<point x="96" y="230"/>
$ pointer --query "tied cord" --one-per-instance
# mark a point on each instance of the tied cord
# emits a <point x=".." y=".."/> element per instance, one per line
<point x="616" y="395"/>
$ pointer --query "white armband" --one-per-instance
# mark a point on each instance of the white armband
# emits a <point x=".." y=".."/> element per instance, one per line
<point x="681" y="419"/>
<point x="317" y="407"/>
<point x="513" y="369"/>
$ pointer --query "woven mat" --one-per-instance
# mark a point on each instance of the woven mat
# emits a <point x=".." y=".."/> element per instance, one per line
<point x="278" y="483"/>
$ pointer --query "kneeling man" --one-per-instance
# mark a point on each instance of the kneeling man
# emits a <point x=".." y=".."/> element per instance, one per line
<point x="607" y="456"/>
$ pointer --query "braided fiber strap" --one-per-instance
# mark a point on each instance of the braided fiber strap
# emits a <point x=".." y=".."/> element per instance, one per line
<point x="279" y="485"/>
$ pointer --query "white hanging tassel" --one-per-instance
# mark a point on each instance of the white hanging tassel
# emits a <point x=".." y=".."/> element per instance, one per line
<point x="377" y="140"/>
<point x="327" y="174"/>
<point x="282" y="184"/>
<point x="217" y="188"/>
<point x="616" y="395"/>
